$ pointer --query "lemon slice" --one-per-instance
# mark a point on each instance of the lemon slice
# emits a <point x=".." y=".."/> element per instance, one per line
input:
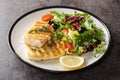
<point x="71" y="62"/>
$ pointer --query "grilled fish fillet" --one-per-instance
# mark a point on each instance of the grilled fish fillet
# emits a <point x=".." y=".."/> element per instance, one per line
<point x="38" y="40"/>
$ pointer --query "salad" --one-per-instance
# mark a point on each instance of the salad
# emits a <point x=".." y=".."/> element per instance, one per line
<point x="78" y="31"/>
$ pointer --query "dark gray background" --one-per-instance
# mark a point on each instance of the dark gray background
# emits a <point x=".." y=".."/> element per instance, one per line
<point x="11" y="68"/>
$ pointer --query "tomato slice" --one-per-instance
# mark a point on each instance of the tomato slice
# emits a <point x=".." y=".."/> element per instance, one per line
<point x="69" y="46"/>
<point x="65" y="31"/>
<point x="47" y="17"/>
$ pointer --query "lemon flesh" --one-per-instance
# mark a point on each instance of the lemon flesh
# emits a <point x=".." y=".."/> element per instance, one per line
<point x="71" y="62"/>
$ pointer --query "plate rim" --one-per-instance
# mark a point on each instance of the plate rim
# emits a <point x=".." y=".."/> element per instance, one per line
<point x="66" y="7"/>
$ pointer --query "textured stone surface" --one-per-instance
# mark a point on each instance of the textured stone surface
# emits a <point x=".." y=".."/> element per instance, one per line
<point x="11" y="68"/>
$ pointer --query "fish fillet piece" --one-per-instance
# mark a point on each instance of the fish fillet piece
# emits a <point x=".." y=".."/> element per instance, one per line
<point x="38" y="34"/>
<point x="36" y="40"/>
<point x="46" y="52"/>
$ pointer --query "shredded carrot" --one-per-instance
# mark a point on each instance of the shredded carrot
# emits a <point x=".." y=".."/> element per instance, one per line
<point x="51" y="28"/>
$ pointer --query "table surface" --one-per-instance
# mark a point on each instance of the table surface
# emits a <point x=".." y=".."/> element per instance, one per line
<point x="11" y="68"/>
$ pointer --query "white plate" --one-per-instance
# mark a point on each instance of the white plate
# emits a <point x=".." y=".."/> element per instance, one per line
<point x="23" y="23"/>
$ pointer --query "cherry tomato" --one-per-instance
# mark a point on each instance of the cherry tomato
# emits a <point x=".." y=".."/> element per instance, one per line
<point x="46" y="17"/>
<point x="65" y="31"/>
<point x="69" y="46"/>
